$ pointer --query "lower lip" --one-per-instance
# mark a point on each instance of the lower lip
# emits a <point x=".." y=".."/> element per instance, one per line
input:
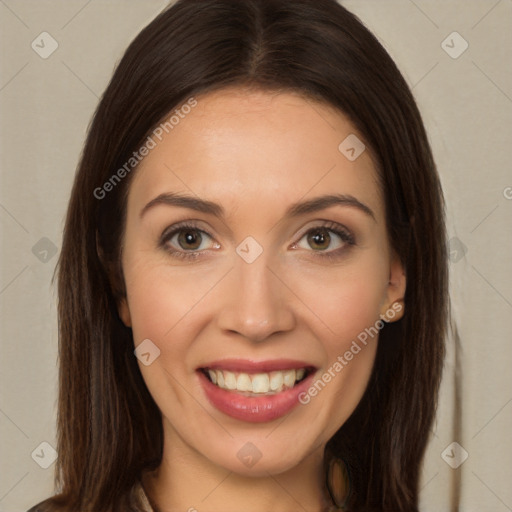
<point x="257" y="409"/>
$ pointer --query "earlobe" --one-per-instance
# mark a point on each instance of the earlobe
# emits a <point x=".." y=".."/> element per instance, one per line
<point x="114" y="274"/>
<point x="394" y="307"/>
<point x="124" y="312"/>
<point x="393" y="312"/>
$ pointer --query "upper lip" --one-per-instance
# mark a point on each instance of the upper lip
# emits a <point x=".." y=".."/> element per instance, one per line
<point x="250" y="366"/>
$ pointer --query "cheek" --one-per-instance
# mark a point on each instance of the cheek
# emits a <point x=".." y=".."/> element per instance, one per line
<point x="346" y="303"/>
<point x="169" y="306"/>
<point x="345" y="300"/>
<point x="155" y="312"/>
<point x="349" y="345"/>
<point x="160" y="299"/>
<point x="160" y="306"/>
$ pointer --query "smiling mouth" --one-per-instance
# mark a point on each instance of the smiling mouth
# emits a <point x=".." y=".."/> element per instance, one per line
<point x="257" y="384"/>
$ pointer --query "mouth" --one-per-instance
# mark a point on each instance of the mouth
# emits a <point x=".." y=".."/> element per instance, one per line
<point x="257" y="384"/>
<point x="255" y="392"/>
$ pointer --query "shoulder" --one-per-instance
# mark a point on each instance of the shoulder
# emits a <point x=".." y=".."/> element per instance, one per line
<point x="45" y="506"/>
<point x="141" y="502"/>
<point x="138" y="491"/>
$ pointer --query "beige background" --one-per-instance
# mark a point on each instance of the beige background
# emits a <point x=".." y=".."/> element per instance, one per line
<point x="46" y="105"/>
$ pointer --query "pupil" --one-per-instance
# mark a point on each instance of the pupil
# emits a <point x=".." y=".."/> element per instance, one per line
<point x="320" y="238"/>
<point x="188" y="239"/>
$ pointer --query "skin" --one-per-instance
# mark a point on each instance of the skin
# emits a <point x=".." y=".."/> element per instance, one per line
<point x="254" y="153"/>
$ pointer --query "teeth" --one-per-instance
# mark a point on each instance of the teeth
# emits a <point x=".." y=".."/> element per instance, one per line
<point x="230" y="380"/>
<point x="276" y="380"/>
<point x="243" y="382"/>
<point x="260" y="383"/>
<point x="289" y="378"/>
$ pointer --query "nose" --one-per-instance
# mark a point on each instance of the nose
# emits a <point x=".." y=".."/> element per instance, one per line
<point x="256" y="303"/>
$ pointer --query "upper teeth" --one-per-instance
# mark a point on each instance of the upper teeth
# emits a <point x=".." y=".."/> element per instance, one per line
<point x="273" y="382"/>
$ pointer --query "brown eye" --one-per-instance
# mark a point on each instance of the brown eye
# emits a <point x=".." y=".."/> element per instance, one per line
<point x="330" y="240"/>
<point x="319" y="239"/>
<point x="189" y="239"/>
<point x="187" y="242"/>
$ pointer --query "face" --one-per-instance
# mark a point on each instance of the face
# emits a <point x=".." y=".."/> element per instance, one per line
<point x="256" y="258"/>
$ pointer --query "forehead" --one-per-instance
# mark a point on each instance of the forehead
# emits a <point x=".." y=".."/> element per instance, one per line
<point x="237" y="145"/>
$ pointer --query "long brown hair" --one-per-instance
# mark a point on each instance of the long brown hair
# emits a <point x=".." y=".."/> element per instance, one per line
<point x="109" y="428"/>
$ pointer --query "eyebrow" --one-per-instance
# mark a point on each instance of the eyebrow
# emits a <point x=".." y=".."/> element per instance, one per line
<point x="295" y="210"/>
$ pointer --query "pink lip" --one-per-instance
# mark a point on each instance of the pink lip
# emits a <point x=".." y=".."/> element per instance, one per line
<point x="248" y="366"/>
<point x="257" y="409"/>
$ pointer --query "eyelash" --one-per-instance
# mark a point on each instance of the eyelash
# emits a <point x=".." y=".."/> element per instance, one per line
<point x="343" y="233"/>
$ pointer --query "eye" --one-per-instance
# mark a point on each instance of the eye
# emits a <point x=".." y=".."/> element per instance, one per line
<point x="326" y="240"/>
<point x="187" y="241"/>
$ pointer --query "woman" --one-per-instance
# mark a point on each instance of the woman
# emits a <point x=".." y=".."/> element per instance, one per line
<point x="253" y="278"/>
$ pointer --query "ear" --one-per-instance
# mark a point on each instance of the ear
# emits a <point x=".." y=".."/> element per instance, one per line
<point x="393" y="306"/>
<point x="124" y="312"/>
<point x="116" y="282"/>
